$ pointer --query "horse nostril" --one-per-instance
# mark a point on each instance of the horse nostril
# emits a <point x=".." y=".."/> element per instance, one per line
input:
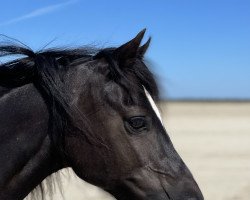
<point x="183" y="191"/>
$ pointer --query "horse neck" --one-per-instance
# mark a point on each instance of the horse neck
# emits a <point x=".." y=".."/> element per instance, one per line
<point x="26" y="153"/>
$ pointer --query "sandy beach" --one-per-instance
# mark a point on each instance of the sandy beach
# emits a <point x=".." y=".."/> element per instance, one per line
<point x="212" y="138"/>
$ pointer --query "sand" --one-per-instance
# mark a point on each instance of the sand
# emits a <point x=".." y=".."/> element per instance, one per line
<point x="214" y="141"/>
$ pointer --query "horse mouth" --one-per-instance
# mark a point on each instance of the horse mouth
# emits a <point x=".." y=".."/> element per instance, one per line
<point x="147" y="184"/>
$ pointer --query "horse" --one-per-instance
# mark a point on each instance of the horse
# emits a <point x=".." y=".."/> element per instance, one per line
<point x="92" y="110"/>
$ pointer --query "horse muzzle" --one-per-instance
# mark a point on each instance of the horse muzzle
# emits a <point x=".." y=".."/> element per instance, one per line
<point x="145" y="184"/>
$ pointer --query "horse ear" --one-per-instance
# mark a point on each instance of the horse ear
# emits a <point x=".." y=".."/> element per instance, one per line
<point x="130" y="49"/>
<point x="142" y="50"/>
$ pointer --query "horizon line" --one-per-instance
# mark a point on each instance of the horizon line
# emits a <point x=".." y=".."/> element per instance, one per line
<point x="188" y="99"/>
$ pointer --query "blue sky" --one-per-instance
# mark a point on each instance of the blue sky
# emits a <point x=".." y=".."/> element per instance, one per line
<point x="199" y="49"/>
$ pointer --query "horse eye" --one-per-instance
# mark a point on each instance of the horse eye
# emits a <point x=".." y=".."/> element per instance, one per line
<point x="138" y="123"/>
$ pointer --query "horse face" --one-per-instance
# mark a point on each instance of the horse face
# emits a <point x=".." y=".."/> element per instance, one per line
<point x="124" y="148"/>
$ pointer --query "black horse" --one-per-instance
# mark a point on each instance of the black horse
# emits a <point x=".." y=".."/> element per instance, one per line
<point x="90" y="110"/>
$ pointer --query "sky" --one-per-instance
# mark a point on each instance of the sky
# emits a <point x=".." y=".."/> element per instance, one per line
<point x="199" y="49"/>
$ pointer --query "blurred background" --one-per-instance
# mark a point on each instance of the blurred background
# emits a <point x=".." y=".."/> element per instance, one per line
<point x="200" y="55"/>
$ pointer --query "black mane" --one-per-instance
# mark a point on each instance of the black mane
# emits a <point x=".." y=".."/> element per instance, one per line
<point x="43" y="69"/>
<point x="26" y="70"/>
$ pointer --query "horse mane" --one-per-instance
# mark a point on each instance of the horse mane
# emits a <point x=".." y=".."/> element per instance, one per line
<point x="26" y="69"/>
<point x="42" y="69"/>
